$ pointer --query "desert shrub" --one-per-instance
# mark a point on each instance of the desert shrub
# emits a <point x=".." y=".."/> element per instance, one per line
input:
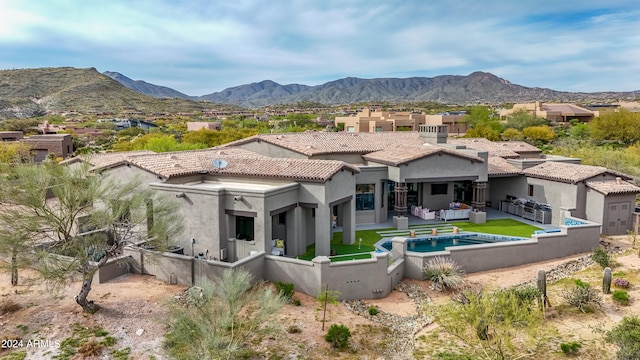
<point x="582" y="296"/>
<point x="284" y="289"/>
<point x="373" y="310"/>
<point x="626" y="335"/>
<point x="338" y="336"/>
<point x="621" y="283"/>
<point x="581" y="283"/>
<point x="9" y="306"/>
<point x="18" y="355"/>
<point x="90" y="348"/>
<point x="444" y="273"/>
<point x="448" y="355"/>
<point x="296" y="301"/>
<point x="601" y="256"/>
<point x="221" y="318"/>
<point x="294" y="329"/>
<point x="527" y="295"/>
<point x="621" y="297"/>
<point x="570" y="348"/>
<point x="492" y="325"/>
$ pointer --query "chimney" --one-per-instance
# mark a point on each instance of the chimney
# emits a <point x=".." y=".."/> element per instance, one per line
<point x="433" y="134"/>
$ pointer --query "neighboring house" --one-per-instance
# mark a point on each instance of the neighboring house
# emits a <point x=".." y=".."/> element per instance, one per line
<point x="207" y="125"/>
<point x="11" y="135"/>
<point x="553" y="112"/>
<point x="368" y="120"/>
<point x="61" y="145"/>
<point x="379" y="121"/>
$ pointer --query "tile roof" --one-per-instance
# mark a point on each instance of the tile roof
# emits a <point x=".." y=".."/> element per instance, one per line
<point x="280" y="168"/>
<point x="240" y="162"/>
<point x="105" y="160"/>
<point x="617" y="186"/>
<point x="565" y="172"/>
<point x="312" y="143"/>
<point x="500" y="166"/>
<point x="505" y="149"/>
<point x="401" y="154"/>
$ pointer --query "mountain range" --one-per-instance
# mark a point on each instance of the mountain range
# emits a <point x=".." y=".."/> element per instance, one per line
<point x="477" y="87"/>
<point x="35" y="92"/>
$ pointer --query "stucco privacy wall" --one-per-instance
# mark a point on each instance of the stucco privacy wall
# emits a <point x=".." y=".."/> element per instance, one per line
<point x="570" y="240"/>
<point x="358" y="279"/>
<point x="187" y="270"/>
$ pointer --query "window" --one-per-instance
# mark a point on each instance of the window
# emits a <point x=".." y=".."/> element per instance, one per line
<point x="244" y="228"/>
<point x="282" y="218"/>
<point x="351" y="129"/>
<point x="365" y="195"/>
<point x="378" y="129"/>
<point x="530" y="190"/>
<point x="439" y="189"/>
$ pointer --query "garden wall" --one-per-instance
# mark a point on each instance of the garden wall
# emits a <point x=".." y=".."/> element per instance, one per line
<point x="356" y="279"/>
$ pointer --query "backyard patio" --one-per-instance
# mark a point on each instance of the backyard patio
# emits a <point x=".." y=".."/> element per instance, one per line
<point x="367" y="235"/>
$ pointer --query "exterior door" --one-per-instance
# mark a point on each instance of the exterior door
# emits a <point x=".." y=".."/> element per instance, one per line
<point x="619" y="214"/>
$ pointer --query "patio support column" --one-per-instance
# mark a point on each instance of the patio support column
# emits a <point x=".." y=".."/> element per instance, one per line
<point x="348" y="210"/>
<point x="400" y="206"/>
<point x="479" y="196"/>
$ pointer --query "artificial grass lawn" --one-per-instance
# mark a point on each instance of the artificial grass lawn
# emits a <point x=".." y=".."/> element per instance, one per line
<point x="507" y="227"/>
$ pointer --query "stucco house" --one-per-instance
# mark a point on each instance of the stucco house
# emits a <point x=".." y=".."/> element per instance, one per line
<point x="279" y="193"/>
<point x="557" y="112"/>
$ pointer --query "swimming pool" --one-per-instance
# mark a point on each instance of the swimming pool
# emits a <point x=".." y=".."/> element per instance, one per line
<point x="439" y="243"/>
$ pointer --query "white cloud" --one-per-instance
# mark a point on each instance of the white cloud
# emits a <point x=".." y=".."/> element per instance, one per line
<point x="206" y="46"/>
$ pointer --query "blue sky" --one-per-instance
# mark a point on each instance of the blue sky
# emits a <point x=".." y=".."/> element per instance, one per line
<point x="203" y="46"/>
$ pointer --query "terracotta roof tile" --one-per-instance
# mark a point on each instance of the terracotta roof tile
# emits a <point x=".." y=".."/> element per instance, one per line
<point x="105" y="160"/>
<point x="240" y="162"/>
<point x="500" y="166"/>
<point x="565" y="172"/>
<point x="505" y="149"/>
<point x="317" y="143"/>
<point x="617" y="186"/>
<point x="400" y="154"/>
<point x="291" y="169"/>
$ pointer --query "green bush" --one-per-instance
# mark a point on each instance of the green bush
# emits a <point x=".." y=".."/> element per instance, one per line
<point x="621" y="297"/>
<point x="285" y="289"/>
<point x="444" y="273"/>
<point x="626" y="335"/>
<point x="582" y="284"/>
<point x="601" y="257"/>
<point x="373" y="310"/>
<point x="296" y="301"/>
<point x="570" y="348"/>
<point x="338" y="336"/>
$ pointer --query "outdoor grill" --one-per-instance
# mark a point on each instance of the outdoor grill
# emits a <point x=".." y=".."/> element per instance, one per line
<point x="528" y="209"/>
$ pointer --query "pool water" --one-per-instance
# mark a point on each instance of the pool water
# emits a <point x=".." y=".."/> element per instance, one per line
<point x="439" y="243"/>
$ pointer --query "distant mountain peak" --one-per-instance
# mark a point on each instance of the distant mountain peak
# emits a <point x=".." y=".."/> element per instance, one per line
<point x="157" y="91"/>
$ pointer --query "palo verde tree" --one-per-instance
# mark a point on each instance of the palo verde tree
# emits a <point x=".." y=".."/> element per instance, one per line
<point x="505" y="324"/>
<point x="79" y="219"/>
<point x="220" y="319"/>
